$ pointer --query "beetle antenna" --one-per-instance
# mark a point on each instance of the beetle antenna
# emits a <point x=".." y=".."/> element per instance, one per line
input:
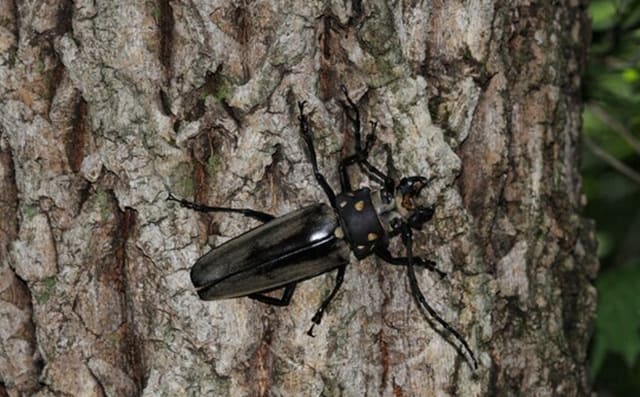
<point x="258" y="215"/>
<point x="417" y="294"/>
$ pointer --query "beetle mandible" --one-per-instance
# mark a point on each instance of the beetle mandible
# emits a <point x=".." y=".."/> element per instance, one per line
<point x="317" y="239"/>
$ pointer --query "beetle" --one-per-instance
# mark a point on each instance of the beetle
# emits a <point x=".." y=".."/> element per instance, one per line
<point x="319" y="238"/>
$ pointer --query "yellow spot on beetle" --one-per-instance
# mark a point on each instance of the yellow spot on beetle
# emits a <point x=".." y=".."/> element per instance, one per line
<point x="339" y="233"/>
<point x="359" y="206"/>
<point x="372" y="236"/>
<point x="343" y="204"/>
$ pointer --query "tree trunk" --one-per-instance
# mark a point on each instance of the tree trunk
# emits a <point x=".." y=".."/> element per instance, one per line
<point x="105" y="108"/>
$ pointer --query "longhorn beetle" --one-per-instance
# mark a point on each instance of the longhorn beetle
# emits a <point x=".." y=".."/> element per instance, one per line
<point x="317" y="239"/>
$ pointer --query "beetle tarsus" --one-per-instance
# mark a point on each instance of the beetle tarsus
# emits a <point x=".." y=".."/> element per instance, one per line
<point x="310" y="331"/>
<point x="316" y="319"/>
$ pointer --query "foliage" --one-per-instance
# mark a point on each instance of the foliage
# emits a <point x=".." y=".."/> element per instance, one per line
<point x="618" y="319"/>
<point x="611" y="170"/>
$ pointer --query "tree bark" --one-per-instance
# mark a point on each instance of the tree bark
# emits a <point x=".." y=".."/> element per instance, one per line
<point x="106" y="107"/>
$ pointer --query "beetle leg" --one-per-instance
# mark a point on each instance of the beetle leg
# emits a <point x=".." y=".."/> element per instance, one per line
<point x="362" y="153"/>
<point x="317" y="318"/>
<point x="407" y="239"/>
<point x="307" y="135"/>
<point x="384" y="254"/>
<point x="345" y="183"/>
<point x="373" y="172"/>
<point x="258" y="215"/>
<point x="387" y="182"/>
<point x="371" y="139"/>
<point x="289" y="289"/>
<point x="350" y="105"/>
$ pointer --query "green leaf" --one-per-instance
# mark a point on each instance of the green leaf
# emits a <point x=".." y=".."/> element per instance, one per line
<point x="604" y="244"/>
<point x="603" y="14"/>
<point x="631" y="16"/>
<point x="631" y="75"/>
<point x="604" y="136"/>
<point x="618" y="321"/>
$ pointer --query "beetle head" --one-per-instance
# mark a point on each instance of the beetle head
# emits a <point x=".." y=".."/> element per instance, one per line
<point x="407" y="191"/>
<point x="412" y="185"/>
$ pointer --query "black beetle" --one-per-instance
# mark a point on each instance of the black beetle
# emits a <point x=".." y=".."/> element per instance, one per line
<point x="317" y="239"/>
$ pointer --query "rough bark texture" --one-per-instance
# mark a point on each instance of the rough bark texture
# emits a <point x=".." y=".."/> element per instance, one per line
<point x="105" y="107"/>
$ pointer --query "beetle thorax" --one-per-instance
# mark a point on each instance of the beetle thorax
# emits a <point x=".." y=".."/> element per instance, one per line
<point x="388" y="211"/>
